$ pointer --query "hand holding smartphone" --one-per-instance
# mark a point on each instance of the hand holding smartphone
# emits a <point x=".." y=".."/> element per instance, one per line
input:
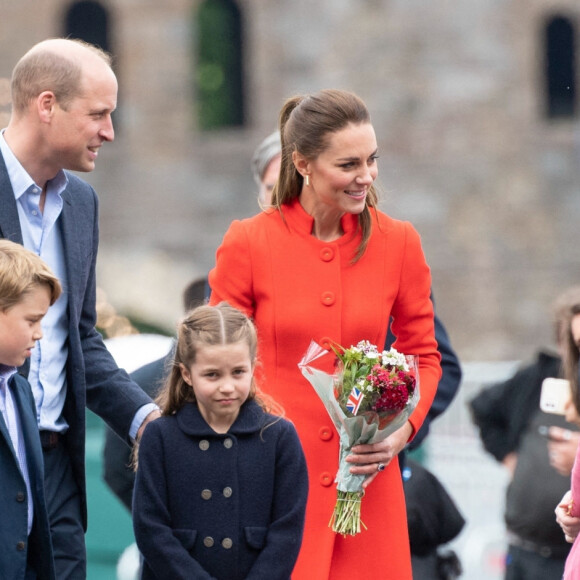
<point x="555" y="396"/>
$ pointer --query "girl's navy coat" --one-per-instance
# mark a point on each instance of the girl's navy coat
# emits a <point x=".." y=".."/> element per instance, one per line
<point x="227" y="506"/>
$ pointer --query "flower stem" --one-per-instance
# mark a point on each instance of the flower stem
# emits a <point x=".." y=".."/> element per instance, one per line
<point x="345" y="519"/>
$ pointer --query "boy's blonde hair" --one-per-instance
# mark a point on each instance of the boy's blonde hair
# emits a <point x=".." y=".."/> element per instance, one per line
<point x="20" y="272"/>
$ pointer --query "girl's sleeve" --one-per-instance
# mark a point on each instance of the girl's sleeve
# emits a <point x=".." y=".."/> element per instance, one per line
<point x="277" y="559"/>
<point x="413" y="322"/>
<point x="164" y="549"/>
<point x="231" y="278"/>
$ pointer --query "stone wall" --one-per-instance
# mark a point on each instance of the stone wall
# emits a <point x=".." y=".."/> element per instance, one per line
<point x="456" y="96"/>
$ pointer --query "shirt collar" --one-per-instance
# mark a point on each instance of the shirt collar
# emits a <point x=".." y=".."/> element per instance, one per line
<point x="19" y="177"/>
<point x="6" y="373"/>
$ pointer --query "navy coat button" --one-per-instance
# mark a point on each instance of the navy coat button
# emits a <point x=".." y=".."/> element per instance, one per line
<point x="204" y="444"/>
<point x="20" y="497"/>
<point x="227" y="543"/>
<point x="228" y="492"/>
<point x="20" y="546"/>
<point x="206" y="494"/>
<point x="208" y="541"/>
<point x="228" y="443"/>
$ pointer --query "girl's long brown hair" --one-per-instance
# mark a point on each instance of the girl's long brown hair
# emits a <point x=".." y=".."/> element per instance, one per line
<point x="208" y="326"/>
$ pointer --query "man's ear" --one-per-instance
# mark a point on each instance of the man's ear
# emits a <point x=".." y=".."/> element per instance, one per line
<point x="45" y="105"/>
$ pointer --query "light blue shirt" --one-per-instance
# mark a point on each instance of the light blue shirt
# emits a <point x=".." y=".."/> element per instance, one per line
<point x="47" y="375"/>
<point x="40" y="234"/>
<point x="14" y="426"/>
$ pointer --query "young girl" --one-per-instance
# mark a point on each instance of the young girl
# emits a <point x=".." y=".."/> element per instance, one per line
<point x="221" y="484"/>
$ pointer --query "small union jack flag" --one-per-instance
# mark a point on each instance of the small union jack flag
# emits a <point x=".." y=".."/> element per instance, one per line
<point x="354" y="400"/>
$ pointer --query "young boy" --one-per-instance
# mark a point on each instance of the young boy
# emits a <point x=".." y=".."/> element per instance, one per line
<point x="27" y="289"/>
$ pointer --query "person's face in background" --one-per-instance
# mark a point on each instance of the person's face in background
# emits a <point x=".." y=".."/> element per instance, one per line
<point x="572" y="415"/>
<point x="269" y="180"/>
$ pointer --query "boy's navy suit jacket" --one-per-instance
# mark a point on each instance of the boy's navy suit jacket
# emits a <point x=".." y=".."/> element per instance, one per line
<point x="13" y="505"/>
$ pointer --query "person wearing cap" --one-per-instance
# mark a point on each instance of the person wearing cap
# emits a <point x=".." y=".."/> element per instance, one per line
<point x="266" y="166"/>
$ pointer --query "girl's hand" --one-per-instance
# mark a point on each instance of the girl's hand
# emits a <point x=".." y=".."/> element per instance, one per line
<point x="570" y="525"/>
<point x="367" y="459"/>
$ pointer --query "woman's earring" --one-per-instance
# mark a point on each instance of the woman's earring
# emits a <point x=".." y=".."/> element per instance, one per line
<point x="307" y="180"/>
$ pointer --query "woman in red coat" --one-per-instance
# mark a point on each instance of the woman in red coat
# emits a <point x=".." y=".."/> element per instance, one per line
<point x="324" y="264"/>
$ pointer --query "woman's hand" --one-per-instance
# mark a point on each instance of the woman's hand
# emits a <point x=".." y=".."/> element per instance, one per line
<point x="367" y="458"/>
<point x="570" y="525"/>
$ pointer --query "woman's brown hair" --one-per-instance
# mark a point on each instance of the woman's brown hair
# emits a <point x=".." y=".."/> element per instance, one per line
<point x="306" y="124"/>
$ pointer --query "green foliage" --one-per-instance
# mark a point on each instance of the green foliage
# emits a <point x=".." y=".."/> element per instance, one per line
<point x="218" y="75"/>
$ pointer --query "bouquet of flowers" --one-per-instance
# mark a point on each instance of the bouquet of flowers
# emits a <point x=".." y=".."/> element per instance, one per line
<point x="369" y="396"/>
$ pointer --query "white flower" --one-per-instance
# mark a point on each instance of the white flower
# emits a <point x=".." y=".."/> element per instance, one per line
<point x="394" y="358"/>
<point x="366" y="347"/>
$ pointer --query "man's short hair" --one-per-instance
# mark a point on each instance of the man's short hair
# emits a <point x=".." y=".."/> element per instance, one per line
<point x="44" y="68"/>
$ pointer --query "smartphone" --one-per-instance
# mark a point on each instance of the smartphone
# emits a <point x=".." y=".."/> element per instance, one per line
<point x="555" y="396"/>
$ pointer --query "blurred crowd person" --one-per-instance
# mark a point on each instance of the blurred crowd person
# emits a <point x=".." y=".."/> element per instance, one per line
<point x="118" y="471"/>
<point x="537" y="448"/>
<point x="266" y="167"/>
<point x="433" y="520"/>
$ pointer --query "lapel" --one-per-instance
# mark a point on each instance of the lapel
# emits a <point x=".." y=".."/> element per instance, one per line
<point x="4" y="428"/>
<point x="9" y="222"/>
<point x="71" y="239"/>
<point x="4" y="433"/>
<point x="29" y="426"/>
